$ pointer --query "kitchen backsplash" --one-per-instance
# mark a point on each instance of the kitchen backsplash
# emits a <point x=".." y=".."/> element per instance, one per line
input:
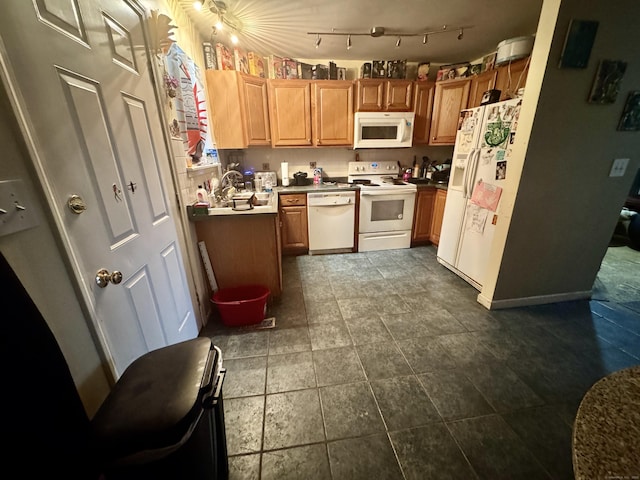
<point x="333" y="161"/>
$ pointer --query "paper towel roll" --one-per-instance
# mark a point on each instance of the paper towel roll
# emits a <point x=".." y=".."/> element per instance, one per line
<point x="284" y="169"/>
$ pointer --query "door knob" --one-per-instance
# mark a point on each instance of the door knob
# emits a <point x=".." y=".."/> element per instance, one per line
<point x="103" y="277"/>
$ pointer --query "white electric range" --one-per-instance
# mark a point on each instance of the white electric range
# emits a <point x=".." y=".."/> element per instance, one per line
<point x="386" y="205"/>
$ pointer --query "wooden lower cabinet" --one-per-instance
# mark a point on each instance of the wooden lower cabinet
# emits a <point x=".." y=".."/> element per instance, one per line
<point x="243" y="250"/>
<point x="423" y="213"/>
<point x="438" y="214"/>
<point x="427" y="217"/>
<point x="293" y="223"/>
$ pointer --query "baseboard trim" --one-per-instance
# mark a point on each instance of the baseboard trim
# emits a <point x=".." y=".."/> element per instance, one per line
<point x="536" y="300"/>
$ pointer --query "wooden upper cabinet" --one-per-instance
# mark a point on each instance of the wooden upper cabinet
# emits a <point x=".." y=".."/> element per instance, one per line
<point x="399" y="95"/>
<point x="370" y="95"/>
<point x="256" y="110"/>
<point x="290" y="112"/>
<point x="332" y="111"/>
<point x="450" y="96"/>
<point x="512" y="76"/>
<point x="238" y="109"/>
<point x="423" y="101"/>
<point x="381" y="95"/>
<point x="480" y="84"/>
<point x="225" y="109"/>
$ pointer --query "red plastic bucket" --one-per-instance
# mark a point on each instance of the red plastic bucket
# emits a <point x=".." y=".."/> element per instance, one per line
<point x="244" y="305"/>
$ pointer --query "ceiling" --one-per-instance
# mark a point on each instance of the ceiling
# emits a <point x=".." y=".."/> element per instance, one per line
<point x="280" y="27"/>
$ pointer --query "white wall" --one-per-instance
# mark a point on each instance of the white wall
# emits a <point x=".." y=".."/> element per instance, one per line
<point x="567" y="206"/>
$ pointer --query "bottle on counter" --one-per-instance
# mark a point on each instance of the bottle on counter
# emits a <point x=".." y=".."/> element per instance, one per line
<point x="416" y="168"/>
<point x="201" y="195"/>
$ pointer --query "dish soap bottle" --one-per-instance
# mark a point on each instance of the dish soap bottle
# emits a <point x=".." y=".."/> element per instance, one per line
<point x="201" y="195"/>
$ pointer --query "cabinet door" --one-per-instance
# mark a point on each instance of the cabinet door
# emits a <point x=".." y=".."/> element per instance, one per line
<point x="511" y="77"/>
<point x="438" y="214"/>
<point x="450" y="97"/>
<point x="423" y="107"/>
<point x="256" y="110"/>
<point x="332" y="110"/>
<point x="399" y="95"/>
<point x="480" y="84"/>
<point x="423" y="215"/>
<point x="370" y="95"/>
<point x="290" y="112"/>
<point x="295" y="237"/>
<point x="225" y="109"/>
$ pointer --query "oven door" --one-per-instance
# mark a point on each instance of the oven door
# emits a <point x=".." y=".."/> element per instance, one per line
<point x="386" y="211"/>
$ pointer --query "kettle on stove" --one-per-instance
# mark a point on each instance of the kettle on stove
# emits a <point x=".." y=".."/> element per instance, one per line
<point x="300" y="178"/>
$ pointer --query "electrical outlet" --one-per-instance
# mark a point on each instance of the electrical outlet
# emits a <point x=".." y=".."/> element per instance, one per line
<point x="265" y="166"/>
<point x="312" y="164"/>
<point x="618" y="167"/>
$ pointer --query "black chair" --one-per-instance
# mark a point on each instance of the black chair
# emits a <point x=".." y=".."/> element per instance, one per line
<point x="164" y="417"/>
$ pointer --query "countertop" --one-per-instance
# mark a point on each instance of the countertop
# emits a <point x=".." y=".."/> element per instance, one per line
<point x="272" y="207"/>
<point x="606" y="431"/>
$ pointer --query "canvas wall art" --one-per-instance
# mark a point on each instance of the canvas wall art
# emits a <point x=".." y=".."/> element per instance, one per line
<point x="606" y="84"/>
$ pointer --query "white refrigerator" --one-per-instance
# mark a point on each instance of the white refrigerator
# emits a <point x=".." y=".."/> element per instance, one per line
<point x="479" y="167"/>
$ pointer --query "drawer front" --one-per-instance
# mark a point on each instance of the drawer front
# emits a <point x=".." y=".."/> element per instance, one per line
<point x="293" y="199"/>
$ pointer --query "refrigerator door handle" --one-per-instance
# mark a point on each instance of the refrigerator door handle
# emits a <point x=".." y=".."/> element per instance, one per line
<point x="473" y="169"/>
<point x="464" y="176"/>
<point x="467" y="171"/>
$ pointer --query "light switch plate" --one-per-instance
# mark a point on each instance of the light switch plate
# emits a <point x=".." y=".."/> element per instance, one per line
<point x="619" y="167"/>
<point x="18" y="212"/>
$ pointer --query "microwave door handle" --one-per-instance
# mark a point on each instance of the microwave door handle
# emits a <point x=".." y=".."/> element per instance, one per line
<point x="403" y="130"/>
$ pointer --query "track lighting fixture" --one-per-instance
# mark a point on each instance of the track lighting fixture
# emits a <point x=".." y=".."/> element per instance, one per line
<point x="381" y="32"/>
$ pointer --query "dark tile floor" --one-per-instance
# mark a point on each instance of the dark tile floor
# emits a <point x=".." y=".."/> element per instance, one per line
<point x="382" y="365"/>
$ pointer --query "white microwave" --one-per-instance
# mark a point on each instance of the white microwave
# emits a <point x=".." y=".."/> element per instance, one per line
<point x="383" y="129"/>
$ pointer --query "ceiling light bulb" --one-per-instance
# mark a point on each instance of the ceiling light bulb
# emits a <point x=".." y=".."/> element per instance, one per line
<point x="398" y="42"/>
<point x="234" y="39"/>
<point x="318" y="40"/>
<point x="197" y="5"/>
<point x="461" y="34"/>
<point x="425" y="39"/>
<point x="219" y="24"/>
<point x="348" y="42"/>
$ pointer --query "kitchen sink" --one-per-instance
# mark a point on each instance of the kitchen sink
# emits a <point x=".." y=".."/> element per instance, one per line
<point x="263" y="203"/>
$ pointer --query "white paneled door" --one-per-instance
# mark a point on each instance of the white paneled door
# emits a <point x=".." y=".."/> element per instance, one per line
<point x="79" y="73"/>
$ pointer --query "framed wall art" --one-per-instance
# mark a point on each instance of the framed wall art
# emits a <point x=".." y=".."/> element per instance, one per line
<point x="630" y="119"/>
<point x="606" y="84"/>
<point x="578" y="43"/>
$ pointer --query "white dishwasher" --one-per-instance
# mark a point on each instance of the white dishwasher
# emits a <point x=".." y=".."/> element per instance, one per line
<point x="331" y="220"/>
